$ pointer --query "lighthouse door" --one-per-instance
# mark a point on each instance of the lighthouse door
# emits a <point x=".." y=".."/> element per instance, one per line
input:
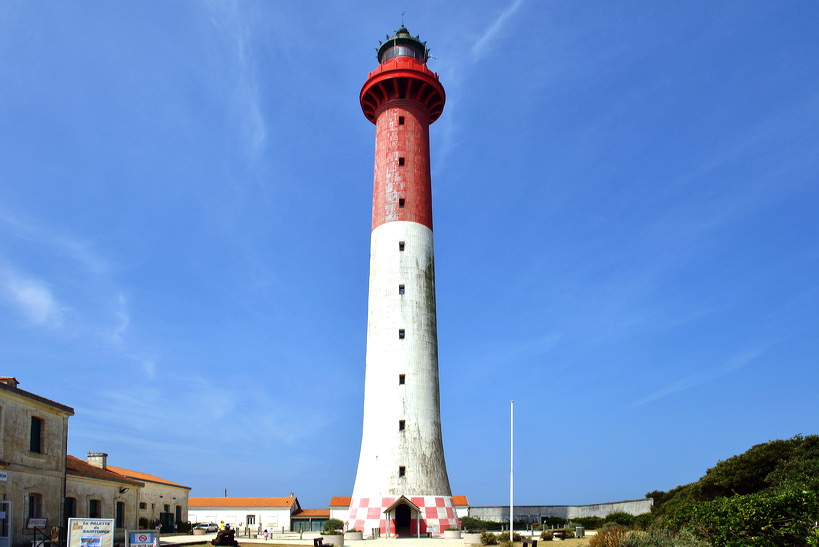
<point x="403" y="520"/>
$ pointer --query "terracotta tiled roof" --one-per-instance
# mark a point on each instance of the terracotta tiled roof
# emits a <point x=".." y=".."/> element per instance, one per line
<point x="460" y="501"/>
<point x="12" y="387"/>
<point x="311" y="513"/>
<point x="145" y="477"/>
<point x="78" y="467"/>
<point x="340" y="501"/>
<point x="241" y="502"/>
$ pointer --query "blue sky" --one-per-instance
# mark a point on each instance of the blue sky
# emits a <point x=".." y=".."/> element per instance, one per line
<point x="626" y="199"/>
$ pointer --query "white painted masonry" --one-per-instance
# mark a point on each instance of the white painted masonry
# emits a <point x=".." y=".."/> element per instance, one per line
<point x="385" y="448"/>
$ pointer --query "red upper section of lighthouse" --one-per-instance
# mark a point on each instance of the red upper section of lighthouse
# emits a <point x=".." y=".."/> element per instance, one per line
<point x="402" y="74"/>
<point x="402" y="97"/>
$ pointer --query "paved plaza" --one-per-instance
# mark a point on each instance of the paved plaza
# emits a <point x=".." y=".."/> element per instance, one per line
<point x="307" y="540"/>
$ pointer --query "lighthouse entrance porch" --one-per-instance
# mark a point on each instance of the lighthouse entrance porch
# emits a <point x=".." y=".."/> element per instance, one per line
<point x="403" y="520"/>
<point x="400" y="516"/>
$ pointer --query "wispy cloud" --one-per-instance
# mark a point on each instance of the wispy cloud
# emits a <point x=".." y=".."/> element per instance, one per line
<point x="32" y="289"/>
<point x="57" y="241"/>
<point x="122" y="318"/>
<point x="228" y="18"/>
<point x="33" y="298"/>
<point x="482" y="43"/>
<point x="731" y="365"/>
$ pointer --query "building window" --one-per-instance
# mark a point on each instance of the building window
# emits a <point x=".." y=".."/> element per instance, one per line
<point x="400" y="120"/>
<point x="402" y="424"/>
<point x="401" y="162"/>
<point x="400" y="289"/>
<point x="120" y="521"/>
<point x="401" y="334"/>
<point x="70" y="508"/>
<point x="36" y="444"/>
<point x="401" y="203"/>
<point x="402" y="471"/>
<point x="402" y="379"/>
<point x="166" y="508"/>
<point x="250" y="519"/>
<point x="143" y="505"/>
<point x="35" y="506"/>
<point x="401" y="245"/>
<point x="94" y="508"/>
<point x="178" y="513"/>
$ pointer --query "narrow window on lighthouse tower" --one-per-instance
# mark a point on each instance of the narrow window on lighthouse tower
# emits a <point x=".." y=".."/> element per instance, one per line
<point x="400" y="120"/>
<point x="402" y="379"/>
<point x="401" y="425"/>
<point x="401" y="334"/>
<point x="401" y="162"/>
<point x="400" y="245"/>
<point x="401" y="203"/>
<point x="400" y="289"/>
<point x="402" y="471"/>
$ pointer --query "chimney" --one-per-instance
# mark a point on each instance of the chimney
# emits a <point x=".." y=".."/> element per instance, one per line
<point x="98" y="459"/>
<point x="9" y="381"/>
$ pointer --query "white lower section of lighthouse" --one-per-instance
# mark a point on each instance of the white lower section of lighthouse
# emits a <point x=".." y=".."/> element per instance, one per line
<point x="401" y="448"/>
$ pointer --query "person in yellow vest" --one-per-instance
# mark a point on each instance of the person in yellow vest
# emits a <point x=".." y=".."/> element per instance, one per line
<point x="221" y="525"/>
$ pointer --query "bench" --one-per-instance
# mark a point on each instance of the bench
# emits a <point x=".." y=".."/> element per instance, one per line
<point x="528" y="542"/>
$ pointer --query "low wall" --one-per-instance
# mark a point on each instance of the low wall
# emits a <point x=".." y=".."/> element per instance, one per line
<point x="535" y="513"/>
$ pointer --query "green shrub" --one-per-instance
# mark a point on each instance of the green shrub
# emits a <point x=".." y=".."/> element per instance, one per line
<point x="663" y="538"/>
<point x="547" y="535"/>
<point x="469" y="523"/>
<point x="623" y="519"/>
<point x="331" y="525"/>
<point x="488" y="538"/>
<point x="643" y="522"/>
<point x="786" y="520"/>
<point x="504" y="536"/>
<point x="589" y="523"/>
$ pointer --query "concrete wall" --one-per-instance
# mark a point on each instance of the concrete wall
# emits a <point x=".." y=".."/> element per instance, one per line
<point x="534" y="513"/>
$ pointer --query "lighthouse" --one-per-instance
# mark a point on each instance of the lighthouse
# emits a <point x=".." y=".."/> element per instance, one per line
<point x="401" y="486"/>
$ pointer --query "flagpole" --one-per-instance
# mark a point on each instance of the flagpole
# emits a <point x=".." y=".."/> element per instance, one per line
<point x="511" y="469"/>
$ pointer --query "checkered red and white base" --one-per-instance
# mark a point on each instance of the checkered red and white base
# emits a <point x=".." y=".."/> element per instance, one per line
<point x="437" y="514"/>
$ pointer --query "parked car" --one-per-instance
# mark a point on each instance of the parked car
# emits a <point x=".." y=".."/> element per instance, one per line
<point x="207" y="527"/>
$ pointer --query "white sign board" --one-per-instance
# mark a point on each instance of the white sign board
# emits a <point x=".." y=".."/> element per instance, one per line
<point x="90" y="532"/>
<point x="143" y="538"/>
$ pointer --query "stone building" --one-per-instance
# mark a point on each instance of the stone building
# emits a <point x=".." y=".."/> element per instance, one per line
<point x="92" y="491"/>
<point x="159" y="499"/>
<point x="32" y="462"/>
